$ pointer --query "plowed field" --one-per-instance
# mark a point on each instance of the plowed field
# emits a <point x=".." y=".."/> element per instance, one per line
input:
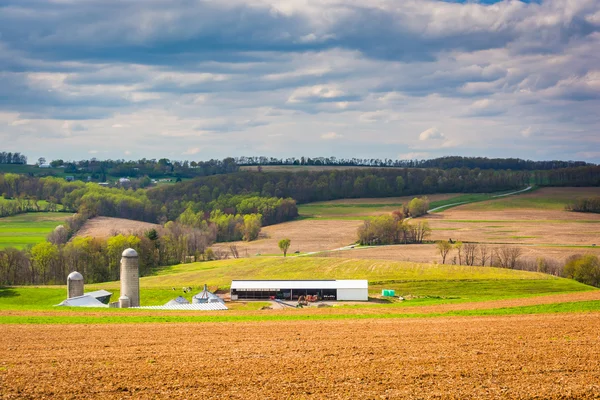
<point x="104" y="227"/>
<point x="543" y="356"/>
<point x="306" y="236"/>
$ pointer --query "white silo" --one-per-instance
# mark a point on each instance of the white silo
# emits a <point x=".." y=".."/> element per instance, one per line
<point x="74" y="285"/>
<point x="130" y="277"/>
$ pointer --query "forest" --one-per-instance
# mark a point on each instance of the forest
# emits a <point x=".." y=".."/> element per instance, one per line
<point x="12" y="158"/>
<point x="515" y="164"/>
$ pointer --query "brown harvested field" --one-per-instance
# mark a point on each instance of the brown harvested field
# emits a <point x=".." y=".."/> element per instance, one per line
<point x="306" y="236"/>
<point x="427" y="253"/>
<point x="516" y="226"/>
<point x="104" y="227"/>
<point x="537" y="356"/>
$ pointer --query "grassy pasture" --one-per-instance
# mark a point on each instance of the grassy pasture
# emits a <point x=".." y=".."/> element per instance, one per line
<point x="540" y="199"/>
<point x="117" y="316"/>
<point x="364" y="208"/>
<point x="22" y="230"/>
<point x="426" y="284"/>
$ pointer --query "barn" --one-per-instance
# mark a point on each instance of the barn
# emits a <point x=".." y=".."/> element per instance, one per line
<point x="340" y="290"/>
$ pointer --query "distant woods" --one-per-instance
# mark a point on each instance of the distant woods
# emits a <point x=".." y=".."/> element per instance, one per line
<point x="98" y="259"/>
<point x="588" y="204"/>
<point x="515" y="164"/>
<point x="12" y="158"/>
<point x="307" y="187"/>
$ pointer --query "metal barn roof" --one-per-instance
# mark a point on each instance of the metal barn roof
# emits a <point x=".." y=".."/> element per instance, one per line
<point x="82" y="301"/>
<point x="98" y="293"/>
<point x="190" y="307"/>
<point x="301" y="284"/>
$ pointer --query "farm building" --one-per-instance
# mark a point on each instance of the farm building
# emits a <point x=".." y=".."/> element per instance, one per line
<point x="341" y="290"/>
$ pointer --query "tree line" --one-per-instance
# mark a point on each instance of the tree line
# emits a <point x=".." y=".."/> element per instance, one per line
<point x="449" y="162"/>
<point x="100" y="169"/>
<point x="585" y="204"/>
<point x="92" y="200"/>
<point x="339" y="184"/>
<point x="50" y="262"/>
<point x="12" y="158"/>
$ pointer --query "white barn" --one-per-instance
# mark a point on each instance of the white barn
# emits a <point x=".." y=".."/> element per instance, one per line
<point x="340" y="290"/>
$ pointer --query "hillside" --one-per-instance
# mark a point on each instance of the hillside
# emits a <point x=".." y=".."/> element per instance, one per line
<point x="104" y="227"/>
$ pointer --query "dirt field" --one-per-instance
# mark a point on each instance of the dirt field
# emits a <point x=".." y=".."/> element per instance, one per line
<point x="517" y="226"/>
<point x="306" y="236"/>
<point x="542" y="356"/>
<point x="104" y="227"/>
<point x="428" y="253"/>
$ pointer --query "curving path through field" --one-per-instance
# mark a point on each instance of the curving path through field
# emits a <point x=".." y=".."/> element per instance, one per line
<point x="467" y="202"/>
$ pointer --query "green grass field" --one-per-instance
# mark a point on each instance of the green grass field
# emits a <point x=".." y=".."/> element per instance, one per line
<point x="22" y="230"/>
<point x="424" y="283"/>
<point x="334" y="210"/>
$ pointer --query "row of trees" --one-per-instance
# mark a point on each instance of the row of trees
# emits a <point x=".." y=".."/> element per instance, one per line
<point x="91" y="200"/>
<point x="388" y="229"/>
<point x="12" y="158"/>
<point x="339" y="184"/>
<point x="582" y="268"/>
<point x="23" y="205"/>
<point x="480" y="254"/>
<point x="50" y="262"/>
<point x="588" y="204"/>
<point x="515" y="164"/>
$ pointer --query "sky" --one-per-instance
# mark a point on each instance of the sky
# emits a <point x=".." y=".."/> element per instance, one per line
<point x="407" y="79"/>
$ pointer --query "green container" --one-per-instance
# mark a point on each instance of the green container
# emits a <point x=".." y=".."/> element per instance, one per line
<point x="388" y="292"/>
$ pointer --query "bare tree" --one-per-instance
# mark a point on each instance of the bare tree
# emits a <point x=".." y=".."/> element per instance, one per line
<point x="221" y="254"/>
<point x="484" y="254"/>
<point x="458" y="246"/>
<point x="470" y="250"/>
<point x="508" y="256"/>
<point x="444" y="248"/>
<point x="234" y="251"/>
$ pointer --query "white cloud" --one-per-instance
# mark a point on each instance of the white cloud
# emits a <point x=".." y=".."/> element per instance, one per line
<point x="331" y="136"/>
<point x="192" y="151"/>
<point x="413" y="156"/>
<point x="431" y="134"/>
<point x="127" y="153"/>
<point x="486" y="74"/>
<point x="93" y="151"/>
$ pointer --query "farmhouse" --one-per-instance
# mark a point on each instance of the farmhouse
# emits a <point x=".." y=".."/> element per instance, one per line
<point x="341" y="290"/>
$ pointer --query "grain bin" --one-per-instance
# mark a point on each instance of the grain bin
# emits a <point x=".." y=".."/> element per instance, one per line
<point x="74" y="285"/>
<point x="130" y="277"/>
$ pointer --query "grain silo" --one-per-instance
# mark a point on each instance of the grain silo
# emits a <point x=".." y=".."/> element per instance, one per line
<point x="130" y="277"/>
<point x="74" y="285"/>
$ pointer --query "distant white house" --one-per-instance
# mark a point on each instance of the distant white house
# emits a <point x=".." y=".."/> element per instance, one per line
<point x="124" y="180"/>
<point x="45" y="166"/>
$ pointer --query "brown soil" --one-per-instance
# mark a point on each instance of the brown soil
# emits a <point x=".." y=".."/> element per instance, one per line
<point x="306" y="236"/>
<point x="428" y="253"/>
<point x="104" y="227"/>
<point x="542" y="356"/>
<point x="517" y="226"/>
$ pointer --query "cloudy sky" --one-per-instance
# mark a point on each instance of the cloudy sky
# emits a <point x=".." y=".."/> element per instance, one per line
<point x="190" y="79"/>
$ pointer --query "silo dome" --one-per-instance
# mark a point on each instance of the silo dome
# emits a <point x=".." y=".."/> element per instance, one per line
<point x="75" y="276"/>
<point x="130" y="253"/>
